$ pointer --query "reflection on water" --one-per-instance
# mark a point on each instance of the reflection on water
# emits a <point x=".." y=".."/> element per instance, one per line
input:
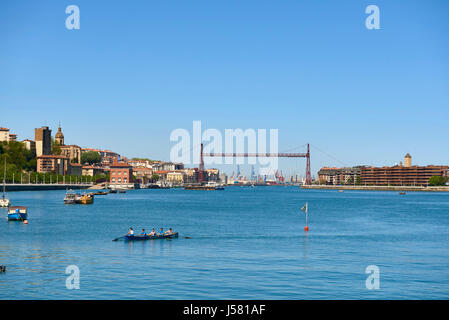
<point x="245" y="243"/>
<point x="306" y="245"/>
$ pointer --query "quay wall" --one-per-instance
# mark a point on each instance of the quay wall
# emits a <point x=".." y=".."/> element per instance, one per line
<point x="379" y="188"/>
<point x="41" y="187"/>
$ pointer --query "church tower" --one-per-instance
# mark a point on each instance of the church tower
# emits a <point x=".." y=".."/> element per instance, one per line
<point x="408" y="160"/>
<point x="59" y="137"/>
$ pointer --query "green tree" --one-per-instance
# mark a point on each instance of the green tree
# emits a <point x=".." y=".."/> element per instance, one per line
<point x="18" y="160"/>
<point x="155" y="177"/>
<point x="90" y="157"/>
<point x="437" y="181"/>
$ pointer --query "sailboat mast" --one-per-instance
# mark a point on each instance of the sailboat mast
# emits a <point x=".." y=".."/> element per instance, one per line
<point x="4" y="180"/>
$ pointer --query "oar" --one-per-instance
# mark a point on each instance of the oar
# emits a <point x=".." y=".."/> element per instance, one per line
<point x="187" y="237"/>
<point x="118" y="238"/>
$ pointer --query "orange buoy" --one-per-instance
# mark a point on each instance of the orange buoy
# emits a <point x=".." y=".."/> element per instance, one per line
<point x="306" y="228"/>
<point x="25" y="221"/>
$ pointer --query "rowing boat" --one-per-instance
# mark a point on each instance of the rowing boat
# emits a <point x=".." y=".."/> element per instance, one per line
<point x="137" y="237"/>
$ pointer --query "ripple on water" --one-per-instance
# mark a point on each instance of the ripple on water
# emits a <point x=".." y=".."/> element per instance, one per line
<point x="246" y="243"/>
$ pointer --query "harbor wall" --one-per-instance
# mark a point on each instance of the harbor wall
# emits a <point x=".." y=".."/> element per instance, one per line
<point x="379" y="188"/>
<point x="40" y="187"/>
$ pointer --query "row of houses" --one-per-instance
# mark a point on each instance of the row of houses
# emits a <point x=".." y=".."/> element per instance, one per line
<point x="398" y="175"/>
<point x="176" y="176"/>
<point x="120" y="169"/>
<point x="61" y="165"/>
<point x="68" y="161"/>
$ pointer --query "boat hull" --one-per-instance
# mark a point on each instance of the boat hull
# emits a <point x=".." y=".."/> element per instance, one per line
<point x="85" y="199"/>
<point x="17" y="216"/>
<point x="206" y="188"/>
<point x="140" y="238"/>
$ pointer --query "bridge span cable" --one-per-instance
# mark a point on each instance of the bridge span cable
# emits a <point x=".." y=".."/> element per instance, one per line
<point x="295" y="148"/>
<point x="330" y="156"/>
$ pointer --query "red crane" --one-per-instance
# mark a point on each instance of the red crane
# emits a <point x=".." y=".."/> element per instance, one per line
<point x="267" y="155"/>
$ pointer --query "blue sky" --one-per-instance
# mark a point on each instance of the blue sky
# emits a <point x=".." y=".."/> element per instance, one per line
<point x="137" y="70"/>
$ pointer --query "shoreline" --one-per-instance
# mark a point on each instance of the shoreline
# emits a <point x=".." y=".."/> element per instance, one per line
<point x="379" y="188"/>
<point x="12" y="187"/>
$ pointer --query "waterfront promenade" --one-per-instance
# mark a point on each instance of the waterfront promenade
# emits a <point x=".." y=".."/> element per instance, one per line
<point x="45" y="186"/>
<point x="378" y="188"/>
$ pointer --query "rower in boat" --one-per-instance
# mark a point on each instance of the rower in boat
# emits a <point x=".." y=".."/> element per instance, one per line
<point x="162" y="232"/>
<point x="130" y="232"/>
<point x="152" y="233"/>
<point x="143" y="233"/>
<point x="169" y="232"/>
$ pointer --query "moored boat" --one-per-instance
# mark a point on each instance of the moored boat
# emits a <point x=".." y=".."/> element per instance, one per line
<point x="138" y="237"/>
<point x="101" y="193"/>
<point x="4" y="202"/>
<point x="71" y="197"/>
<point x="17" y="213"/>
<point x="197" y="187"/>
<point x="85" y="199"/>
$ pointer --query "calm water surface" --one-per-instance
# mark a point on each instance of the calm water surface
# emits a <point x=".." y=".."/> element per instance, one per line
<point x="246" y="243"/>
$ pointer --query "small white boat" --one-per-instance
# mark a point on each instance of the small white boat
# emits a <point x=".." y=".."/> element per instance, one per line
<point x="4" y="202"/>
<point x="71" y="197"/>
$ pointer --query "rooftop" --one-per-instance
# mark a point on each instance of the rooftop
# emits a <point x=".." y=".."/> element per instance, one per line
<point x="51" y="156"/>
<point x="120" y="165"/>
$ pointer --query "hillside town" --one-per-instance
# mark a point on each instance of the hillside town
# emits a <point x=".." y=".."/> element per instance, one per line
<point x="54" y="156"/>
